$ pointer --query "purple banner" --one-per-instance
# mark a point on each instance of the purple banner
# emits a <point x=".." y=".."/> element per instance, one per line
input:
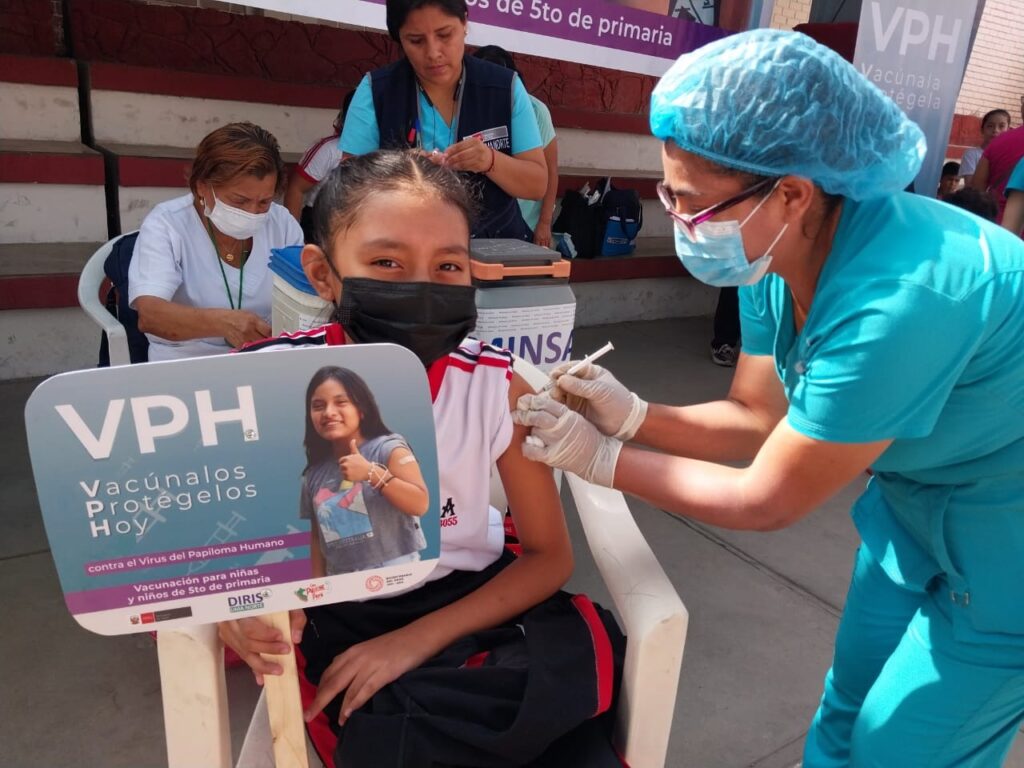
<point x="597" y="22"/>
<point x="183" y="587"/>
<point x="196" y="554"/>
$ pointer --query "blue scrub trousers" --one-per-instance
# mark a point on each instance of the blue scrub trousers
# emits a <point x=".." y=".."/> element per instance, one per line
<point x="903" y="692"/>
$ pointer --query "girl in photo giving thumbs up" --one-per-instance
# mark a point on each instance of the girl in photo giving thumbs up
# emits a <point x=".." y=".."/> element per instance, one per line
<point x="362" y="489"/>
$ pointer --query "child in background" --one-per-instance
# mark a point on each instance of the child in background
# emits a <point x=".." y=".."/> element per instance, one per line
<point x="392" y="678"/>
<point x="361" y="489"/>
<point x="949" y="182"/>
<point x="992" y="124"/>
<point x="319" y="160"/>
<point x="979" y="203"/>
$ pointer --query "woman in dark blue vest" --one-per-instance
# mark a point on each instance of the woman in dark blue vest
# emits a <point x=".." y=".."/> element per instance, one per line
<point x="467" y="114"/>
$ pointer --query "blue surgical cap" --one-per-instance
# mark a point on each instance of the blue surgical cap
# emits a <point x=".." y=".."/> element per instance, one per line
<point x="775" y="103"/>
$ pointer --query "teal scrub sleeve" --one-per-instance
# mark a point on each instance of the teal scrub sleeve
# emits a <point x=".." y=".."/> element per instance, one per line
<point x="757" y="324"/>
<point x="1017" y="177"/>
<point x="544" y="123"/>
<point x="525" y="132"/>
<point x="884" y="368"/>
<point x="360" y="134"/>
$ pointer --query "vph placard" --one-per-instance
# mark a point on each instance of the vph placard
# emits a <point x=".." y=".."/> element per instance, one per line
<point x="171" y="491"/>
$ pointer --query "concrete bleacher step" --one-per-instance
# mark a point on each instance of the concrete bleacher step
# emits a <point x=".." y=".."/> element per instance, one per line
<point x="53" y="216"/>
<point x="144" y="175"/>
<point x="51" y="191"/>
<point x="145" y="106"/>
<point x="39" y="99"/>
<point x="596" y="172"/>
<point x="41" y="275"/>
<point x="149" y="121"/>
<point x="144" y="125"/>
<point x="621" y="153"/>
<point x="44" y="330"/>
<point x="653" y="257"/>
<point x="51" y="184"/>
<point x="19" y="259"/>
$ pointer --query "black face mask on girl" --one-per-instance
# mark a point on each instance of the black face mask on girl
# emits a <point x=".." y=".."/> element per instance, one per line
<point x="429" y="319"/>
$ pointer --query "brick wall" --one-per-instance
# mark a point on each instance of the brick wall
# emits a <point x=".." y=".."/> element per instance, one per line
<point x="179" y="34"/>
<point x="995" y="73"/>
<point x="115" y="31"/>
<point x="241" y="10"/>
<point x="183" y="35"/>
<point x="788" y="13"/>
<point x="57" y="24"/>
<point x="30" y="27"/>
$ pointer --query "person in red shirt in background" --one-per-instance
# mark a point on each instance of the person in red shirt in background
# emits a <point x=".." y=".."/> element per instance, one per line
<point x="993" y="123"/>
<point x="319" y="160"/>
<point x="997" y="163"/>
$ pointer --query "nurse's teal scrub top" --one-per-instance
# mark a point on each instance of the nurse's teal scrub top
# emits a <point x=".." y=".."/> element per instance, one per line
<point x="916" y="334"/>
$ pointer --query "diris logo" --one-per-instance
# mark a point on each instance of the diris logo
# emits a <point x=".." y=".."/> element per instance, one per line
<point x="248" y="602"/>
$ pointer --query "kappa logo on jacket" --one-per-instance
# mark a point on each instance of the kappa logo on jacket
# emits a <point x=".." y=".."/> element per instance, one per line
<point x="448" y="516"/>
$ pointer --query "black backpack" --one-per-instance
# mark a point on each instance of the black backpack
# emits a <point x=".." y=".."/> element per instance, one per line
<point x="116" y="268"/>
<point x="622" y="216"/>
<point x="580" y="220"/>
<point x="608" y="226"/>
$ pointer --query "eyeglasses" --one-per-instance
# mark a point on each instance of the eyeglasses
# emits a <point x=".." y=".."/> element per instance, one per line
<point x="688" y="224"/>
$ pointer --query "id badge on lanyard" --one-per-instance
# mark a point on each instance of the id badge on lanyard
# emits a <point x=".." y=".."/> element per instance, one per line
<point x="453" y="131"/>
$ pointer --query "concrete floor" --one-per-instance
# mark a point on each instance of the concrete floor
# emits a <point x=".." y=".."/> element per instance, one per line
<point x="763" y="609"/>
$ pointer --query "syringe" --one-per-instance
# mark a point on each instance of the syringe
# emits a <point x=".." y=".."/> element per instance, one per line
<point x="577" y="367"/>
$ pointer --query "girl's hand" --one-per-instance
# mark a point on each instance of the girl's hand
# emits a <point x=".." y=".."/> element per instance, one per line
<point x="364" y="669"/>
<point x="251" y="637"/>
<point x="354" y="467"/>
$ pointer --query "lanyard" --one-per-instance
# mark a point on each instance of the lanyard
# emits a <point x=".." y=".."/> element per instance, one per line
<point x="453" y="132"/>
<point x="223" y="274"/>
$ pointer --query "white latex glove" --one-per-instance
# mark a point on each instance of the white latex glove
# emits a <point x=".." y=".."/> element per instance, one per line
<point x="563" y="439"/>
<point x="603" y="401"/>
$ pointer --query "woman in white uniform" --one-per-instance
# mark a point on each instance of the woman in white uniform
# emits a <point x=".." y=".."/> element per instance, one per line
<point x="200" y="277"/>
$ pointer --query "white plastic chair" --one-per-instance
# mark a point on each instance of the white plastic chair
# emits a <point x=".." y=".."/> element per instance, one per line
<point x="89" y="284"/>
<point x="650" y="612"/>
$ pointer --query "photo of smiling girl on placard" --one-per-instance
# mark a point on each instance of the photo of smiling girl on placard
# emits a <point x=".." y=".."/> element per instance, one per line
<point x="362" y="489"/>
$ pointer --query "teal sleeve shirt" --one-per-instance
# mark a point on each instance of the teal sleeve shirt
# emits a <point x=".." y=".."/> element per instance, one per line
<point x="531" y="209"/>
<point x="913" y="336"/>
<point x="1016" y="181"/>
<point x="361" y="134"/>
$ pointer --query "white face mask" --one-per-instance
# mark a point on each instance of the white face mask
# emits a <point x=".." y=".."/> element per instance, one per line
<point x="233" y="222"/>
<point x="719" y="257"/>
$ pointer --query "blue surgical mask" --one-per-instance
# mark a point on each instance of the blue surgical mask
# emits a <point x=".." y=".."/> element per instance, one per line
<point x="718" y="257"/>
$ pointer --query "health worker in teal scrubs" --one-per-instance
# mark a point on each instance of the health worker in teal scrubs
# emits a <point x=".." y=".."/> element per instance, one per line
<point x="882" y="331"/>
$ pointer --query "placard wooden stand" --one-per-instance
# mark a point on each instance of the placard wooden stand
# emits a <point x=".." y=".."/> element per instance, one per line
<point x="284" y="704"/>
<point x="195" y="698"/>
<point x="194" y="695"/>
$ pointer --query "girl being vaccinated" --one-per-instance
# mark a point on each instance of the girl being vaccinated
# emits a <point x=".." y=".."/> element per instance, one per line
<point x="486" y="662"/>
